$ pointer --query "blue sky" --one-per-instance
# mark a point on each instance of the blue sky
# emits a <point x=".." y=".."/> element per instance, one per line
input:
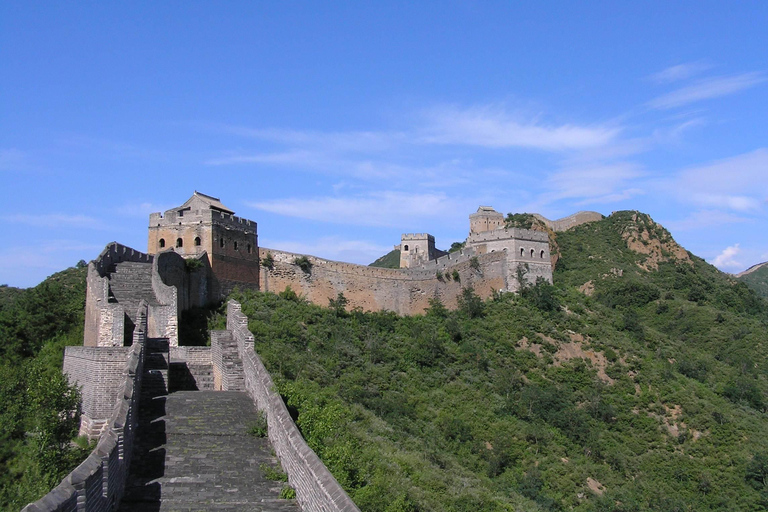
<point x="337" y="126"/>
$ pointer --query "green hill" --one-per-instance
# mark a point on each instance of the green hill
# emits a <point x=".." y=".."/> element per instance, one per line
<point x="389" y="260"/>
<point x="756" y="278"/>
<point x="636" y="382"/>
<point x="38" y="410"/>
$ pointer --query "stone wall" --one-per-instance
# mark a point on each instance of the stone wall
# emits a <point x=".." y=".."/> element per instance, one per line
<point x="570" y="221"/>
<point x="404" y="291"/>
<point x="97" y="371"/>
<point x="316" y="488"/>
<point x="191" y="368"/>
<point x="98" y="483"/>
<point x="105" y="321"/>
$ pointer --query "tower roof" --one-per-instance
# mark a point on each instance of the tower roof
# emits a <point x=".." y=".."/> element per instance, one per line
<point x="203" y="201"/>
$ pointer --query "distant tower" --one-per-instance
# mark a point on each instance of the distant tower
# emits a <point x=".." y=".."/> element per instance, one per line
<point x="416" y="249"/>
<point x="203" y="224"/>
<point x="485" y="219"/>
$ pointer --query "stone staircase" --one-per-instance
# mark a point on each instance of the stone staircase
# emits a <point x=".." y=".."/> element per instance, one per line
<point x="130" y="283"/>
<point x="195" y="454"/>
<point x="156" y="365"/>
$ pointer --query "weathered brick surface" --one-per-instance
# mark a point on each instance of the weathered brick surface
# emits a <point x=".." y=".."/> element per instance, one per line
<point x="196" y="454"/>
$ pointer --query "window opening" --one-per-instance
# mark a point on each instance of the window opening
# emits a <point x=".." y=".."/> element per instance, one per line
<point x="197" y="240"/>
<point x="179" y="242"/>
<point x="235" y="245"/>
<point x="221" y="242"/>
<point x="161" y="243"/>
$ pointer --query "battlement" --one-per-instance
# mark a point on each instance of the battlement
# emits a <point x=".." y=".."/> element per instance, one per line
<point x="508" y="234"/>
<point x="417" y="236"/>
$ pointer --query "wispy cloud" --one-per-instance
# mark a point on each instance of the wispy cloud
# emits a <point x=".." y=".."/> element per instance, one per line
<point x="56" y="220"/>
<point x="679" y="72"/>
<point x="393" y="209"/>
<point x="704" y="219"/>
<point x="706" y="89"/>
<point x="595" y="184"/>
<point x="739" y="183"/>
<point x="142" y="209"/>
<point x="12" y="159"/>
<point x="352" y="141"/>
<point x="493" y="127"/>
<point x="726" y="259"/>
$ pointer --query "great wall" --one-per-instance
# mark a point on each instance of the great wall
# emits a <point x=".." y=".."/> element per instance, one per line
<point x="148" y="401"/>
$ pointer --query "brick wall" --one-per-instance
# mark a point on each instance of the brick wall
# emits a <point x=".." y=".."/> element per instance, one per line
<point x="405" y="291"/>
<point x="316" y="488"/>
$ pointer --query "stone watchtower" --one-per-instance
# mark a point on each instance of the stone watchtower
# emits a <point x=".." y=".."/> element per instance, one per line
<point x="204" y="225"/>
<point x="485" y="219"/>
<point x="416" y="249"/>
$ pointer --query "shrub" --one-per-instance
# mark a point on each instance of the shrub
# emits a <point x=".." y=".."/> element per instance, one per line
<point x="304" y="264"/>
<point x="259" y="428"/>
<point x="456" y="276"/>
<point x="474" y="263"/>
<point x="287" y="493"/>
<point x="193" y="263"/>
<point x="268" y="261"/>
<point x="273" y="473"/>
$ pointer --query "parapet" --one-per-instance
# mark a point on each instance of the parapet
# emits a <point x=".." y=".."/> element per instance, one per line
<point x="508" y="234"/>
<point x="417" y="236"/>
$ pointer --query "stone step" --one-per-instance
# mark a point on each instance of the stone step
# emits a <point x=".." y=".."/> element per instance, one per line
<point x="193" y="453"/>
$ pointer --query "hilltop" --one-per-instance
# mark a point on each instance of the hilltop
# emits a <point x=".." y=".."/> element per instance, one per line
<point x="636" y="382"/>
<point x="756" y="277"/>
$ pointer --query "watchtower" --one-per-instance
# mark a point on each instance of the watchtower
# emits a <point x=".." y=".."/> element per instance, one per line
<point x="485" y="219"/>
<point x="204" y="225"/>
<point x="416" y="249"/>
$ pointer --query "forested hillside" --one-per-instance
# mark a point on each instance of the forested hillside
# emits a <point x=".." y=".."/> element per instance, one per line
<point x="38" y="410"/>
<point x="636" y="382"/>
<point x="756" y="278"/>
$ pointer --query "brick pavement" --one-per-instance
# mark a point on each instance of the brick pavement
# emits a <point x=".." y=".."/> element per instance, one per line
<point x="194" y="453"/>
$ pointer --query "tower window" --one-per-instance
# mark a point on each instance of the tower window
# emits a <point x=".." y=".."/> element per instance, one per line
<point x="221" y="242"/>
<point x="542" y="254"/>
<point x="197" y="240"/>
<point x="531" y="253"/>
<point x="161" y="243"/>
<point x="235" y="245"/>
<point x="179" y="242"/>
<point x="522" y="252"/>
<point x="248" y="248"/>
<point x="406" y="247"/>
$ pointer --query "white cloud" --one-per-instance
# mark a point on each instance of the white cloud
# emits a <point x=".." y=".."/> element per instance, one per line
<point x="704" y="219"/>
<point x="679" y="72"/>
<point x="56" y="220"/>
<point x="28" y="265"/>
<point x="353" y="141"/>
<point x="492" y="127"/>
<point x="708" y="88"/>
<point x="726" y="258"/>
<point x="140" y="209"/>
<point x="595" y="184"/>
<point x="739" y="183"/>
<point x="393" y="209"/>
<point x="12" y="159"/>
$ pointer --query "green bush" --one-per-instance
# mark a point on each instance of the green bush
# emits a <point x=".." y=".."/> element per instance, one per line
<point x="304" y="264"/>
